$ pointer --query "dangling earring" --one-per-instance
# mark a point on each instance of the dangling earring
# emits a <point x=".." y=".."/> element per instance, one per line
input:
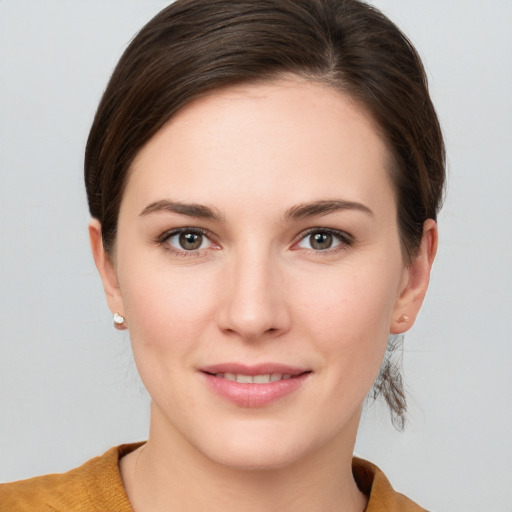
<point x="119" y="322"/>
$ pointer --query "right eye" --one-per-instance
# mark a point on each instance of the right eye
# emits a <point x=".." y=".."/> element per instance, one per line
<point x="187" y="240"/>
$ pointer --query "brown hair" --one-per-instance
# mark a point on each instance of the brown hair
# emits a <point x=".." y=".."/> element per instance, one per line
<point x="195" y="46"/>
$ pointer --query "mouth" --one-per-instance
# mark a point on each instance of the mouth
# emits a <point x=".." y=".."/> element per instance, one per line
<point x="263" y="373"/>
<point x="264" y="378"/>
<point x="254" y="386"/>
<point x="254" y="379"/>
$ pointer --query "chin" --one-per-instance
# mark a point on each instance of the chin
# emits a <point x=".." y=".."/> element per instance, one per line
<point x="253" y="457"/>
<point x="262" y="447"/>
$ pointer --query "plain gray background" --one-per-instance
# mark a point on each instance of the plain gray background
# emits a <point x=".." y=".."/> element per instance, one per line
<point x="68" y="387"/>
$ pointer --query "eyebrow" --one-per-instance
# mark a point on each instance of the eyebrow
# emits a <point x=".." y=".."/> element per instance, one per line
<point x="296" y="212"/>
<point x="324" y="207"/>
<point x="189" y="209"/>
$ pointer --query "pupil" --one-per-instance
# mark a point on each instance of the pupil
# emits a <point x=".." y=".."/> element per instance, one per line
<point x="191" y="241"/>
<point x="321" y="241"/>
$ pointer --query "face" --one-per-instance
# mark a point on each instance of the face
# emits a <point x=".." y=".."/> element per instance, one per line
<point x="259" y="268"/>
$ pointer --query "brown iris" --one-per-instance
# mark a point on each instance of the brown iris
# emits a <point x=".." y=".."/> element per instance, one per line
<point x="190" y="241"/>
<point x="320" y="241"/>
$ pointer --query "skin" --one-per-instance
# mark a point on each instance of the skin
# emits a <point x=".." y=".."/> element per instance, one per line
<point x="258" y="291"/>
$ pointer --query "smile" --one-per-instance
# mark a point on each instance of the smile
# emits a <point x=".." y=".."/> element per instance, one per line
<point x="265" y="378"/>
<point x="254" y="386"/>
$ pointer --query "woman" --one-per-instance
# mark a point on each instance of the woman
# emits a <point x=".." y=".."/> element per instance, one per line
<point x="264" y="179"/>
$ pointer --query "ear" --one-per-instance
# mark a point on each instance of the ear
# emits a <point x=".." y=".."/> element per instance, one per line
<point x="106" y="269"/>
<point x="415" y="281"/>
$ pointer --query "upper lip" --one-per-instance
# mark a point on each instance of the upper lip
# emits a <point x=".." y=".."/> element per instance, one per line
<point x="256" y="369"/>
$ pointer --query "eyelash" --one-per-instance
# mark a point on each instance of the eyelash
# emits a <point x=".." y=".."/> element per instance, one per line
<point x="164" y="237"/>
<point x="344" y="238"/>
<point x="345" y="241"/>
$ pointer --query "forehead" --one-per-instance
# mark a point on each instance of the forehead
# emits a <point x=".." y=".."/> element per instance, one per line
<point x="290" y="140"/>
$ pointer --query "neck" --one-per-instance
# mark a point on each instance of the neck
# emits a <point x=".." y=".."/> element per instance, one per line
<point x="169" y="474"/>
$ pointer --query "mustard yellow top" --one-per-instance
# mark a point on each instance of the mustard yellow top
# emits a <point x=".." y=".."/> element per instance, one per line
<point x="97" y="487"/>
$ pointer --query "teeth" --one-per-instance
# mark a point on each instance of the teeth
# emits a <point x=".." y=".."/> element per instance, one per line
<point x="254" y="379"/>
<point x="261" y="379"/>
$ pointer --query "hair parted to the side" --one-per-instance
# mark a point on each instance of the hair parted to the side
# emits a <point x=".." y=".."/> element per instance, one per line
<point x="194" y="47"/>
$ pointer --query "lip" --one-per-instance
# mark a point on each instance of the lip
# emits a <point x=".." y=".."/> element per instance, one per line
<point x="255" y="369"/>
<point x="253" y="395"/>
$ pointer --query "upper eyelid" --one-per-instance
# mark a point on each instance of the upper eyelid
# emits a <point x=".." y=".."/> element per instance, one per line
<point x="345" y="237"/>
<point x="176" y="231"/>
<point x="165" y="236"/>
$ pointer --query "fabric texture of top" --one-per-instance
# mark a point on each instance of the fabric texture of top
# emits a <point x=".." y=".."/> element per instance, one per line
<point x="96" y="486"/>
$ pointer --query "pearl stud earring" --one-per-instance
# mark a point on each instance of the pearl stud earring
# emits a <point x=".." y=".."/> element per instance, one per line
<point x="119" y="322"/>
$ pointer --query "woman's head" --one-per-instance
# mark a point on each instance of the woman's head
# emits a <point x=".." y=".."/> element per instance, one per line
<point x="194" y="47"/>
<point x="257" y="239"/>
<point x="197" y="50"/>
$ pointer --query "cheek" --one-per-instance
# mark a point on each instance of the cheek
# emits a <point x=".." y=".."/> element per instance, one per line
<point x="351" y="301"/>
<point x="167" y="308"/>
<point x="348" y="313"/>
<point x="169" y="320"/>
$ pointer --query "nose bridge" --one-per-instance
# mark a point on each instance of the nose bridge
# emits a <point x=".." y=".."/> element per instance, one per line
<point x="253" y="304"/>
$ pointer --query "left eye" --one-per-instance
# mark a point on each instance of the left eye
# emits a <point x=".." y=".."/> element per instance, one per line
<point x="321" y="240"/>
<point x="188" y="240"/>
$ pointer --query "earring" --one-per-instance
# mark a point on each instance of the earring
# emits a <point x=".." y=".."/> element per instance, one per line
<point x="403" y="319"/>
<point x="119" y="322"/>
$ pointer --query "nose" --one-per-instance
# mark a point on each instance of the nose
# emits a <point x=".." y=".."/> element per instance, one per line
<point x="253" y="303"/>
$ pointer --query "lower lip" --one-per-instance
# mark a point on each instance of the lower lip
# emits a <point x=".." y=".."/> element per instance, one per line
<point x="254" y="395"/>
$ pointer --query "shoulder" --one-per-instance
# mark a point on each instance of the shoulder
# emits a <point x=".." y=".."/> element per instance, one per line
<point x="381" y="495"/>
<point x="96" y="485"/>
